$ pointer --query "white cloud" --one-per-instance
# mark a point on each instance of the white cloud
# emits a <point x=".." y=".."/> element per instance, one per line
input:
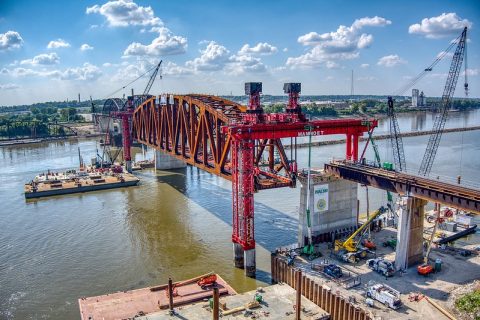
<point x="9" y="86"/>
<point x="10" y="40"/>
<point x="165" y="44"/>
<point x="216" y="57"/>
<point x="343" y="44"/>
<point x="43" y="59"/>
<point x="445" y="54"/>
<point x="260" y="48"/>
<point x="471" y="72"/>
<point x="364" y="65"/>
<point x="317" y="57"/>
<point x="446" y="24"/>
<point x="85" y="47"/>
<point x="331" y="65"/>
<point x="123" y="13"/>
<point x="364" y="41"/>
<point x="85" y="72"/>
<point x="172" y="69"/>
<point x="59" y="43"/>
<point x="107" y="64"/>
<point x="366" y="78"/>
<point x="20" y="72"/>
<point x="213" y="57"/>
<point x="131" y="71"/>
<point x="239" y="64"/>
<point x="285" y="49"/>
<point x="390" y="61"/>
<point x="437" y="75"/>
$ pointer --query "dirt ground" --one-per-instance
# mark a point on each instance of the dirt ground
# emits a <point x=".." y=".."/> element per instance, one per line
<point x="456" y="270"/>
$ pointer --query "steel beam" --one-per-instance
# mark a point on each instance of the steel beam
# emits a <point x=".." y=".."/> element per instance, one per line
<point x="428" y="189"/>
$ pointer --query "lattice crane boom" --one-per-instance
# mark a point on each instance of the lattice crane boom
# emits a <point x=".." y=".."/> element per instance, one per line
<point x="152" y="79"/>
<point x="396" y="138"/>
<point x="447" y="96"/>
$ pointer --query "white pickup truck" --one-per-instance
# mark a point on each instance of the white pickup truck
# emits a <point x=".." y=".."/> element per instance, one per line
<point x="385" y="294"/>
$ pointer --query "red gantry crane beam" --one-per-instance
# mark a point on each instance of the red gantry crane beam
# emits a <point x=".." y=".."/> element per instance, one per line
<point x="229" y="140"/>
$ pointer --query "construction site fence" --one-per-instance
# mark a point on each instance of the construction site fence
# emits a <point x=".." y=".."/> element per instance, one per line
<point x="337" y="306"/>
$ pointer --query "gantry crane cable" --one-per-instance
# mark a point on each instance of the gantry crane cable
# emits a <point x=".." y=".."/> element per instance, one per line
<point x="136" y="79"/>
<point x="395" y="135"/>
<point x="441" y="117"/>
<point x="440" y="56"/>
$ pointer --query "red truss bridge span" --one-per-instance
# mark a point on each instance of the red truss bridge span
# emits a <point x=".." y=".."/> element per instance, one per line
<point x="239" y="143"/>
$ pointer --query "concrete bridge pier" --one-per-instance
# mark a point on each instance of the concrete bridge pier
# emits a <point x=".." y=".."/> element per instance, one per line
<point x="165" y="161"/>
<point x="238" y="255"/>
<point x="128" y="166"/>
<point x="333" y="207"/>
<point x="250" y="265"/>
<point x="409" y="250"/>
<point x="244" y="259"/>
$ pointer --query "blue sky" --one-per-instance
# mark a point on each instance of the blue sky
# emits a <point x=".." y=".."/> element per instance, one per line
<point x="53" y="50"/>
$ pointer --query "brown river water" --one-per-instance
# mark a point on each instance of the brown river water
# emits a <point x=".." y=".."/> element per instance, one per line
<point x="174" y="224"/>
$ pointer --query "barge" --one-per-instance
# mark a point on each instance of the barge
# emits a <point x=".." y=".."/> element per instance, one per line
<point x="132" y="304"/>
<point x="72" y="181"/>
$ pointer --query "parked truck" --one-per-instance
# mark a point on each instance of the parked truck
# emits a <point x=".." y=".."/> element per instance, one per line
<point x="384" y="294"/>
<point x="382" y="266"/>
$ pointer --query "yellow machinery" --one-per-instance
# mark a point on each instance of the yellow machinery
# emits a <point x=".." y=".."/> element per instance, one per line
<point x="350" y="246"/>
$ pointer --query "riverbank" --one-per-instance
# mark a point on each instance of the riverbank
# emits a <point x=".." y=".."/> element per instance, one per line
<point x="383" y="137"/>
<point x="84" y="131"/>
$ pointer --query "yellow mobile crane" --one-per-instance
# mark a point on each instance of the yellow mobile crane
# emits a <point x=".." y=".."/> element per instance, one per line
<point x="349" y="250"/>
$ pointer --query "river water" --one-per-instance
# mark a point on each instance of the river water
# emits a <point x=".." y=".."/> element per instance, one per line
<point x="178" y="223"/>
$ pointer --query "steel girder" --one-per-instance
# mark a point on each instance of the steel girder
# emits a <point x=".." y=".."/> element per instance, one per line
<point x="216" y="135"/>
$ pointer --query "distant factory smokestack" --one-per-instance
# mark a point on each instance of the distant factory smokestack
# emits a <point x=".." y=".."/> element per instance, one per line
<point x="79" y="98"/>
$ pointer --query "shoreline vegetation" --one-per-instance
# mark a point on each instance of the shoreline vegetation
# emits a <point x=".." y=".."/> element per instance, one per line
<point x="286" y="146"/>
<point x="53" y="118"/>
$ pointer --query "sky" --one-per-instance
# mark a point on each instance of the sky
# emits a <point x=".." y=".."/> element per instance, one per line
<point x="54" y="50"/>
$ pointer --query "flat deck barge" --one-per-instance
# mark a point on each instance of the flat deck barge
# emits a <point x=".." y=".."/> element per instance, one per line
<point x="52" y="184"/>
<point x="134" y="303"/>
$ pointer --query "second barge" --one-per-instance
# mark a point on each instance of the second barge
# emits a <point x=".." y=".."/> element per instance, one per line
<point x="52" y="184"/>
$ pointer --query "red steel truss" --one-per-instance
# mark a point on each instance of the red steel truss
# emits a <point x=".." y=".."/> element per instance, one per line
<point x="229" y="140"/>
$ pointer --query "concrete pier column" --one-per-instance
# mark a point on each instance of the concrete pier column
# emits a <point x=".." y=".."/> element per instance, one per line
<point x="409" y="250"/>
<point x="238" y="255"/>
<point x="164" y="161"/>
<point x="333" y="205"/>
<point x="128" y="166"/>
<point x="250" y="265"/>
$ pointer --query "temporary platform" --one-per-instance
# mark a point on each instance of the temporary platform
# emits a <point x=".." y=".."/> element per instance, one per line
<point x="277" y="302"/>
<point x="134" y="303"/>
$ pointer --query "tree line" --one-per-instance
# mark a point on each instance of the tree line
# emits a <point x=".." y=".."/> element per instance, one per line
<point x="36" y="122"/>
